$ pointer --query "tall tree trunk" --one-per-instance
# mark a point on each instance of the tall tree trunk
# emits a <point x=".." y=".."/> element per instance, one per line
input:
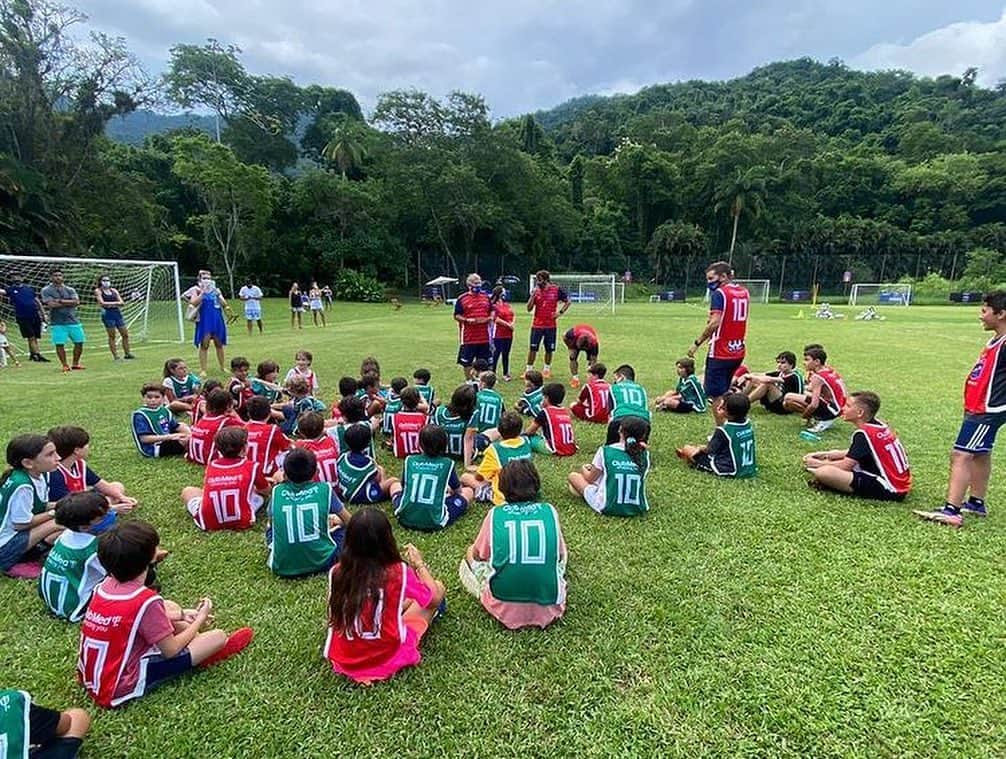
<point x="733" y="237"/>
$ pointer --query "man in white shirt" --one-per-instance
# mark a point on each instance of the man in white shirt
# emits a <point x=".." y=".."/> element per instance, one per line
<point x="251" y="294"/>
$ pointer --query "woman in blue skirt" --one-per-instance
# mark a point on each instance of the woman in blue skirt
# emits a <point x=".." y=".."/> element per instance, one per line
<point x="211" y="325"/>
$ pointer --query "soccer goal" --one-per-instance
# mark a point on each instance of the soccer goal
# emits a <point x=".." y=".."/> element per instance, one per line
<point x="888" y="294"/>
<point x="601" y="291"/>
<point x="151" y="290"/>
<point x="758" y="289"/>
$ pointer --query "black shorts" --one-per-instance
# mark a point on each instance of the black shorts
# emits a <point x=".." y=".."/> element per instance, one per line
<point x="614" y="432"/>
<point x="574" y="352"/>
<point x="824" y="413"/>
<point x="775" y="406"/>
<point x="683" y="407"/>
<point x="30" y="326"/>
<point x="719" y="376"/>
<point x="867" y="485"/>
<point x="543" y="333"/>
<point x="702" y="462"/>
<point x="469" y="354"/>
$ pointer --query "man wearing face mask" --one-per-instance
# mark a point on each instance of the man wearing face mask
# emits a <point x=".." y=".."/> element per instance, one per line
<point x="725" y="330"/>
<point x="473" y="312"/>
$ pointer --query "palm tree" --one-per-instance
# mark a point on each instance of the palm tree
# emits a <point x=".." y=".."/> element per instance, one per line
<point x="344" y="151"/>
<point x="742" y="192"/>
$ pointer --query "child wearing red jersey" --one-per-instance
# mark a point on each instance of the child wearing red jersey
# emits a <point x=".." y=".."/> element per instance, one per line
<point x="203" y="433"/>
<point x="133" y="640"/>
<point x="875" y="465"/>
<point x="325" y="447"/>
<point x="302" y="368"/>
<point x="379" y="607"/>
<point x="73" y="444"/>
<point x="554" y="422"/>
<point x="407" y="424"/>
<point x="266" y="441"/>
<point x="234" y="487"/>
<point x="199" y="404"/>
<point x="239" y="386"/>
<point x="347" y="389"/>
<point x="826" y="396"/>
<point x="594" y="403"/>
<point x="984" y="414"/>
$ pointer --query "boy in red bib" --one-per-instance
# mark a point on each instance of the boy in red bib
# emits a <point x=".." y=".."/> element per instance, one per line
<point x="826" y="394"/>
<point x="594" y="403"/>
<point x="325" y="447"/>
<point x="554" y="422"/>
<point x="131" y="639"/>
<point x="266" y="441"/>
<point x="218" y="415"/>
<point x="406" y="425"/>
<point x="73" y="444"/>
<point x="875" y="466"/>
<point x="234" y="487"/>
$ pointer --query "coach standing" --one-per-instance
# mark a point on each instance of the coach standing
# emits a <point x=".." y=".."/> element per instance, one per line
<point x="62" y="302"/>
<point x="27" y="314"/>
<point x="473" y="312"/>
<point x="544" y="301"/>
<point x="726" y="329"/>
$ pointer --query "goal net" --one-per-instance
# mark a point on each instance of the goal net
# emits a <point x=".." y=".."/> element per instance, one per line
<point x="759" y="289"/>
<point x="889" y="294"/>
<point x="598" y="291"/>
<point x="153" y="310"/>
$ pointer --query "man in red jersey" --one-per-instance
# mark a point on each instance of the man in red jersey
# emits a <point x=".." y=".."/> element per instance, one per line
<point x="984" y="414"/>
<point x="473" y="312"/>
<point x="725" y="330"/>
<point x="544" y="302"/>
<point x="580" y="337"/>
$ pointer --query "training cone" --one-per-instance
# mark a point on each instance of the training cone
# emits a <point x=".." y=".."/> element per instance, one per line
<point x="799" y="314"/>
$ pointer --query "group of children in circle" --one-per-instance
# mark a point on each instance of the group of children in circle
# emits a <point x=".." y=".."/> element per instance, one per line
<point x="272" y="447"/>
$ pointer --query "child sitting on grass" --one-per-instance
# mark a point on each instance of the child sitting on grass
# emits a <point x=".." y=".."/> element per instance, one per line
<point x="594" y="403"/>
<point x="517" y="565"/>
<point x="302" y="369"/>
<point x="199" y="404"/>
<point x="181" y="388"/>
<point x="511" y="446"/>
<point x="234" y="487"/>
<point x="266" y="441"/>
<point x="156" y="432"/>
<point x="202" y="436"/>
<point x="489" y="406"/>
<point x="453" y="418"/>
<point x="614" y="484"/>
<point x="370" y="391"/>
<point x="132" y="640"/>
<point x="430" y="496"/>
<point x="392" y="406"/>
<point x="379" y="607"/>
<point x="361" y="480"/>
<point x="26" y="516"/>
<point x="628" y="398"/>
<point x="73" y="444"/>
<point x="354" y="412"/>
<point x="306" y="519"/>
<point x="38" y="732"/>
<point x="311" y="428"/>
<point x="239" y="385"/>
<point x="407" y="423"/>
<point x="554" y="422"/>
<point x="347" y="389"/>
<point x="301" y="402"/>
<point x="421" y="381"/>
<point x="730" y="451"/>
<point x="529" y="404"/>
<point x="689" y="395"/>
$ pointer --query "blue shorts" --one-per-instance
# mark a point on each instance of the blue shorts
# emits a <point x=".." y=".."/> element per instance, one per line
<point x="253" y="312"/>
<point x="481" y="442"/>
<point x="14" y="550"/>
<point x="469" y="354"/>
<point x="112" y="319"/>
<point x="369" y="493"/>
<point x="60" y="333"/>
<point x="456" y="507"/>
<point x="978" y="433"/>
<point x="543" y="333"/>
<point x="719" y="375"/>
<point x="161" y="670"/>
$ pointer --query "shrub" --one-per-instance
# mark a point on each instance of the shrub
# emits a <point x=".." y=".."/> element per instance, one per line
<point x="355" y="286"/>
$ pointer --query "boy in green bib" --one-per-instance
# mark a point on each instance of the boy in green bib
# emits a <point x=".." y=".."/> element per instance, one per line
<point x="614" y="483"/>
<point x="689" y="395"/>
<point x="730" y="451"/>
<point x="28" y="729"/>
<point x="306" y="519"/>
<point x="489" y="407"/>
<point x="430" y="496"/>
<point x="529" y="404"/>
<point x="628" y="398"/>
<point x="517" y="565"/>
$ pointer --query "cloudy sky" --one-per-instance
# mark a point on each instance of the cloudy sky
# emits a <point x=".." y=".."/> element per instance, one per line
<point x="528" y="54"/>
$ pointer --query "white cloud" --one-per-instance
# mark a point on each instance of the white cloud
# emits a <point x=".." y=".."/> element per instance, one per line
<point x="948" y="50"/>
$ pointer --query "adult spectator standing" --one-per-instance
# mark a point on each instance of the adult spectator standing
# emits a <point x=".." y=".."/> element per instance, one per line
<point x="580" y="338"/>
<point x="544" y="302"/>
<point x="251" y="296"/>
<point x="725" y="330"/>
<point x="28" y="314"/>
<point x="211" y="327"/>
<point x="111" y="316"/>
<point x="473" y="312"/>
<point x="296" y="306"/>
<point x="62" y="301"/>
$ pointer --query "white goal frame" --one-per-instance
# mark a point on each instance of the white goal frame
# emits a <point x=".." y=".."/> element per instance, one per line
<point x="901" y="287"/>
<point x="746" y="283"/>
<point x="137" y="319"/>
<point x="573" y="284"/>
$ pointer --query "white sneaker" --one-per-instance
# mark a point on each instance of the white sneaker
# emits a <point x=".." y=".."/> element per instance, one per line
<point x="821" y="426"/>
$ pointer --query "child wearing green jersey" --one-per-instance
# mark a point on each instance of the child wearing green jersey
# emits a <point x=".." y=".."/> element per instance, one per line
<point x="32" y="730"/>
<point x="156" y="432"/>
<point x="489" y="407"/>
<point x="430" y="495"/>
<point x="454" y="419"/>
<point x="529" y="404"/>
<point x="628" y="398"/>
<point x="392" y="405"/>
<point x="688" y="396"/>
<point x="26" y="516"/>
<point x="361" y="479"/>
<point x="730" y="451"/>
<point x="614" y="483"/>
<point x="517" y="565"/>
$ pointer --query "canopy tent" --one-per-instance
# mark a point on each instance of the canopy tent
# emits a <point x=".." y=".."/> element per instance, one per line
<point x="436" y="288"/>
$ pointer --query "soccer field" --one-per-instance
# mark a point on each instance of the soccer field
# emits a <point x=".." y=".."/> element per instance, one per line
<point x="736" y="618"/>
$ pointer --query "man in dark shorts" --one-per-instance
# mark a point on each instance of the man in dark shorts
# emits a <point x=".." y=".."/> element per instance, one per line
<point x="544" y="302"/>
<point x="580" y="338"/>
<point x="771" y="387"/>
<point x="473" y="312"/>
<point x="27" y="313"/>
<point x="725" y="330"/>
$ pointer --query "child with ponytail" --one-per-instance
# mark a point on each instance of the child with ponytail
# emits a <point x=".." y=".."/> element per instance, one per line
<point x="614" y="484"/>
<point x="26" y="516"/>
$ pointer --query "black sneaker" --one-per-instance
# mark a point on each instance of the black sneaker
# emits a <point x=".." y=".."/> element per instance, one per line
<point x="33" y="357"/>
<point x="42" y="359"/>
<point x="129" y="356"/>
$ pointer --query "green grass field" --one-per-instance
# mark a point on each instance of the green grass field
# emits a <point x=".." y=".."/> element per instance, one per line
<point x="736" y="618"/>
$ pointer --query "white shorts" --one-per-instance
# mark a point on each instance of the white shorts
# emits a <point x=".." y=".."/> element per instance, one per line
<point x="253" y="312"/>
<point x="195" y="503"/>
<point x="594" y="497"/>
<point x="316" y="305"/>
<point x="484" y="492"/>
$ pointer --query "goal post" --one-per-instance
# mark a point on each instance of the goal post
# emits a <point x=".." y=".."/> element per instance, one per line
<point x="151" y="291"/>
<point x="759" y="289"/>
<point x="599" y="291"/>
<point x="881" y="294"/>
